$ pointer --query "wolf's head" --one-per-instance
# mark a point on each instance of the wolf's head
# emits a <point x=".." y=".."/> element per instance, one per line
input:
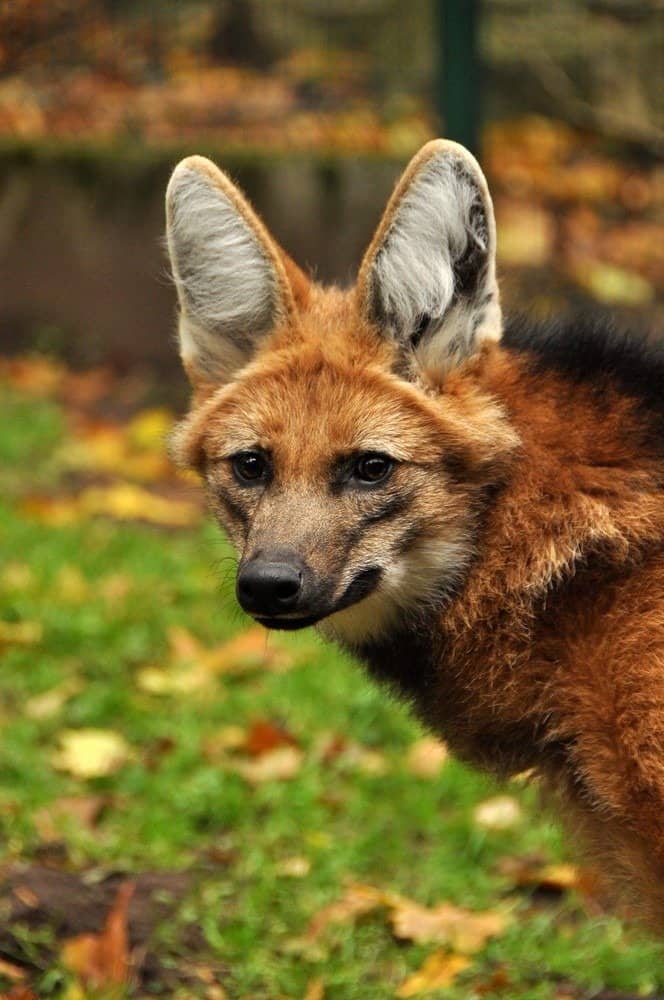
<point x="345" y="444"/>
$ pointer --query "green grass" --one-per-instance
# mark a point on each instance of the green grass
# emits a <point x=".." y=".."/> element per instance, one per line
<point x="171" y="807"/>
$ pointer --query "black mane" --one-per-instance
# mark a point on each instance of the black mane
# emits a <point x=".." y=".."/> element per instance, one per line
<point x="588" y="349"/>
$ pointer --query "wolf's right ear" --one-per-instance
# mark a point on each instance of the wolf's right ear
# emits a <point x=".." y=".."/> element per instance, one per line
<point x="231" y="277"/>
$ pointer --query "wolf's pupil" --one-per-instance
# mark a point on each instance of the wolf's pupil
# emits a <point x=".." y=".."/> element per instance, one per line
<point x="249" y="466"/>
<point x="373" y="468"/>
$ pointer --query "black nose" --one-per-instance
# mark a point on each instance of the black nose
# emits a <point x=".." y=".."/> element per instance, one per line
<point x="268" y="588"/>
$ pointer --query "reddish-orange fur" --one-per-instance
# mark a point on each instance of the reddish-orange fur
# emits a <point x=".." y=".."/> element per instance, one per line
<point x="548" y="651"/>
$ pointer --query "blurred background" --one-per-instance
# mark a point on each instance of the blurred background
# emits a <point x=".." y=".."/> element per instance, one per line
<point x="188" y="807"/>
<point x="314" y="106"/>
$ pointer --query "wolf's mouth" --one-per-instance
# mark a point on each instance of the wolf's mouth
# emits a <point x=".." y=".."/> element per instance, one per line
<point x="359" y="588"/>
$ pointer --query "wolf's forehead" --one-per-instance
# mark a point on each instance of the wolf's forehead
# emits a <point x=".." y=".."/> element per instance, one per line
<point x="323" y="410"/>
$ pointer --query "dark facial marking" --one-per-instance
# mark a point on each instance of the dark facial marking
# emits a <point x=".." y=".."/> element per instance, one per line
<point x="231" y="505"/>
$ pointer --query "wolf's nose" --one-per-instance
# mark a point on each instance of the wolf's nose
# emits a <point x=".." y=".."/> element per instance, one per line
<point x="269" y="588"/>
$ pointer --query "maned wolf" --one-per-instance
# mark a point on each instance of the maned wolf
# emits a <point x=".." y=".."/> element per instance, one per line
<point x="475" y="512"/>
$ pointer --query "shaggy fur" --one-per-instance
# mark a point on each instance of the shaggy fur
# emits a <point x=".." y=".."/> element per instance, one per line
<point x="507" y="577"/>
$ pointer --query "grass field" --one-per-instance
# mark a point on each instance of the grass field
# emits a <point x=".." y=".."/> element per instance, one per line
<point x="269" y="770"/>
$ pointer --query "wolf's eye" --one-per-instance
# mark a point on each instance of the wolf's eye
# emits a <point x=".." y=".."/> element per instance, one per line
<point x="372" y="468"/>
<point x="249" y="467"/>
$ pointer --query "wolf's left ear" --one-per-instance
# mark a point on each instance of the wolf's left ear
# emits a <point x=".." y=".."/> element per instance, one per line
<point x="234" y="284"/>
<point x="428" y="278"/>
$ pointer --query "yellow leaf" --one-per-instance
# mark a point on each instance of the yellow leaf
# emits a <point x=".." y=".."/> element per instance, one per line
<point x="427" y="757"/>
<point x="71" y="586"/>
<point x="91" y="753"/>
<point x="281" y="764"/>
<point x="150" y="428"/>
<point x="49" y="703"/>
<point x="439" y="970"/>
<point x="127" y="502"/>
<point x="20" y="633"/>
<point x="502" y="812"/>
<point x="613" y="285"/>
<point x="156" y="680"/>
<point x="463" y="930"/>
<point x="296" y="867"/>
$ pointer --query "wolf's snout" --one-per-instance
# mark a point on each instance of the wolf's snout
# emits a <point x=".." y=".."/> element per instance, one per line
<point x="270" y="587"/>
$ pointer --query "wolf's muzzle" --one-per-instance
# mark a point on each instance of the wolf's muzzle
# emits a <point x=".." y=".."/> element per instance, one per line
<point x="280" y="591"/>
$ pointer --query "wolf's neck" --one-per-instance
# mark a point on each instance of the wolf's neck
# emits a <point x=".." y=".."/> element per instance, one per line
<point x="581" y="486"/>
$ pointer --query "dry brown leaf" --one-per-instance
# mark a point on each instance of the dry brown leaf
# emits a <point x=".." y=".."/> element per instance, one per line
<point x="501" y="812"/>
<point x="91" y="753"/>
<point x="84" y="810"/>
<point x="464" y="930"/>
<point x="20" y="633"/>
<point x="101" y="960"/>
<point x="281" y="764"/>
<point x="438" y="971"/>
<point x="427" y="757"/>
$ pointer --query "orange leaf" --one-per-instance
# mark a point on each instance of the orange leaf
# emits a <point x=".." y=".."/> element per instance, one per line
<point x="264" y="736"/>
<point x="103" y="959"/>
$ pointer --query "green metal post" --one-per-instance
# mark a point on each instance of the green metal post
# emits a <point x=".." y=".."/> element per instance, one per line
<point x="459" y="70"/>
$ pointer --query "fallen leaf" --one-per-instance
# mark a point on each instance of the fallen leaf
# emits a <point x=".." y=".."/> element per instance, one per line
<point x="296" y="867"/>
<point x="357" y="901"/>
<point x="264" y="736"/>
<point x="173" y="680"/>
<point x="81" y="810"/>
<point x="127" y="502"/>
<point x="12" y="972"/>
<point x="427" y="757"/>
<point x="17" y="576"/>
<point x="70" y="586"/>
<point x="315" y="989"/>
<point x="501" y="812"/>
<point x="48" y="703"/>
<point x="149" y="429"/>
<point x="464" y="930"/>
<point x="438" y="971"/>
<point x="91" y="753"/>
<point x="531" y="872"/>
<point x="526" y="234"/>
<point x="39" y="375"/>
<point x="281" y="764"/>
<point x="20" y="633"/>
<point x="613" y="285"/>
<point x="101" y="960"/>
<point x="220" y="742"/>
<point x="20" y="992"/>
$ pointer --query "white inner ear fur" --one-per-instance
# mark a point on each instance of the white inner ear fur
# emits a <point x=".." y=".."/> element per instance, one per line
<point x="433" y="283"/>
<point x="225" y="278"/>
